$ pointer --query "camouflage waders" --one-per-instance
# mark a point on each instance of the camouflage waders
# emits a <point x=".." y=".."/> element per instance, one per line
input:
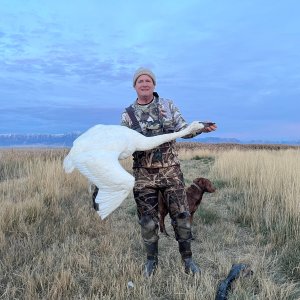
<point x="158" y="171"/>
<point x="146" y="192"/>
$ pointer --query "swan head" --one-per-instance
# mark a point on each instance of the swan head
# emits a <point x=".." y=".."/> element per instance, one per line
<point x="196" y="126"/>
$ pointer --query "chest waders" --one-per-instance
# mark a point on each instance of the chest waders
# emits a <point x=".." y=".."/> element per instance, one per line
<point x="168" y="180"/>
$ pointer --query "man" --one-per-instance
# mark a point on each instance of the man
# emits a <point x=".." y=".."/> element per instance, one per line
<point x="158" y="170"/>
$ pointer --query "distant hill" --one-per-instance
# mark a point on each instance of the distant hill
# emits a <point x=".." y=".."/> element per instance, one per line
<point x="37" y="140"/>
<point x="66" y="140"/>
<point x="217" y="140"/>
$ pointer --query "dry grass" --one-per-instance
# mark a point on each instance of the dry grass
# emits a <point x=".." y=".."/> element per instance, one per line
<point x="268" y="184"/>
<point x="54" y="246"/>
<point x="264" y="189"/>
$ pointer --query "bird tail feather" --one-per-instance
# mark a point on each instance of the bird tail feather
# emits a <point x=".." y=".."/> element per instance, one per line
<point x="108" y="202"/>
<point x="68" y="164"/>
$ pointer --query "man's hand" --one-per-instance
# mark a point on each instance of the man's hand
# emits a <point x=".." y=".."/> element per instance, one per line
<point x="209" y="126"/>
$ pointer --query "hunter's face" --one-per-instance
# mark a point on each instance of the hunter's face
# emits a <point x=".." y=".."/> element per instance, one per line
<point x="144" y="86"/>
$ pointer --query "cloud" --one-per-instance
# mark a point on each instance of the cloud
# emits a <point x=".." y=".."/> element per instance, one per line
<point x="56" y="119"/>
<point x="230" y="62"/>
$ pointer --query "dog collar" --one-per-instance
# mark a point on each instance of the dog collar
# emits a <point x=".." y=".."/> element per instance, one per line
<point x="197" y="186"/>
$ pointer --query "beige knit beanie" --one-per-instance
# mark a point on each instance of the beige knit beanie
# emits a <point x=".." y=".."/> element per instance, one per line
<point x="143" y="71"/>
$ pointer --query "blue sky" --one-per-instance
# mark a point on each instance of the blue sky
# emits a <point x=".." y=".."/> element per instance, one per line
<point x="68" y="65"/>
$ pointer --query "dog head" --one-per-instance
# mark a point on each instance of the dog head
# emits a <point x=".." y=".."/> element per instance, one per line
<point x="204" y="184"/>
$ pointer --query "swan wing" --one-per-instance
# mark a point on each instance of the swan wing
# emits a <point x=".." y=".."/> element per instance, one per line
<point x="104" y="170"/>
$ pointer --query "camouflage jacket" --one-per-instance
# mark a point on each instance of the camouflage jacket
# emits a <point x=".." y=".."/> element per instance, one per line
<point x="158" y="117"/>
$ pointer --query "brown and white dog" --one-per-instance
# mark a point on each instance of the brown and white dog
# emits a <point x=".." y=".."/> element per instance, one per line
<point x="194" y="196"/>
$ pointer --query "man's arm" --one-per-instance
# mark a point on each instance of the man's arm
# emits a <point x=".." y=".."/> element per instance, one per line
<point x="125" y="120"/>
<point x="180" y="123"/>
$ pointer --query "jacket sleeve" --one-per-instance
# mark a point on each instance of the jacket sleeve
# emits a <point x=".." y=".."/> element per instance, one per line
<point x="180" y="122"/>
<point x="125" y="120"/>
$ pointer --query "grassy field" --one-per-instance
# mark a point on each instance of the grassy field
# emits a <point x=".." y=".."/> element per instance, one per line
<point x="54" y="246"/>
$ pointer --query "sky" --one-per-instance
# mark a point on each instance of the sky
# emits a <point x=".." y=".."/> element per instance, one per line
<point x="68" y="65"/>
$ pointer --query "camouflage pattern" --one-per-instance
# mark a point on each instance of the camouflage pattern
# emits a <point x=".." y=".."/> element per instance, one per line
<point x="168" y="181"/>
<point x="158" y="117"/>
<point x="158" y="171"/>
<point x="162" y="156"/>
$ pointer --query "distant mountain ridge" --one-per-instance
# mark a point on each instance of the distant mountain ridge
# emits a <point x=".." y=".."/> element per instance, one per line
<point x="38" y="140"/>
<point x="66" y="140"/>
<point x="217" y="140"/>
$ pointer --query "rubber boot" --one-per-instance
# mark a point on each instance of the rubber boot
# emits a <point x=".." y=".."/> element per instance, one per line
<point x="189" y="265"/>
<point x="152" y="259"/>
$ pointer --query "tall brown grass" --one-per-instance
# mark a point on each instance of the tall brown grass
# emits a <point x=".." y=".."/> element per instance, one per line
<point x="268" y="185"/>
<point x="54" y="246"/>
<point x="265" y="189"/>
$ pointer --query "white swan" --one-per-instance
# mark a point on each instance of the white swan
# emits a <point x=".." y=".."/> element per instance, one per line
<point x="96" y="155"/>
